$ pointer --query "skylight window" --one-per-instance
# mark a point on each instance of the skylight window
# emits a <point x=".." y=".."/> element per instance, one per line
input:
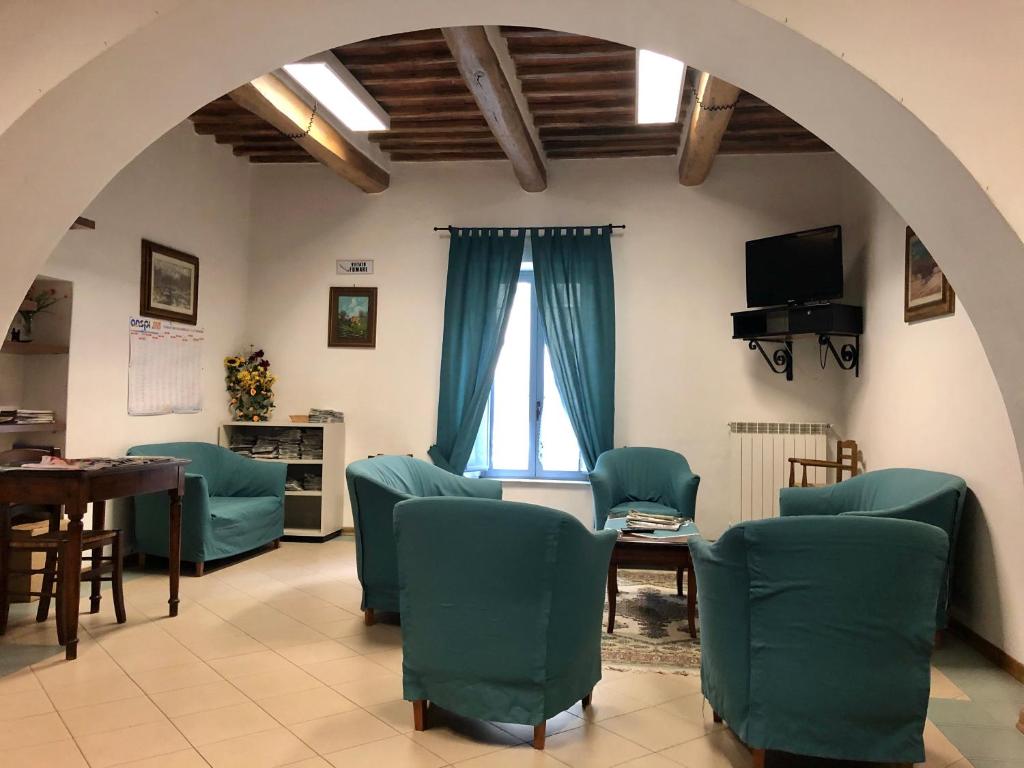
<point x="659" y="87"/>
<point x="324" y="85"/>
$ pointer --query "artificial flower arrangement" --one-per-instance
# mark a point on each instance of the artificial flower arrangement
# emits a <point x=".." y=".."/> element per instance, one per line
<point x="250" y="385"/>
<point x="34" y="304"/>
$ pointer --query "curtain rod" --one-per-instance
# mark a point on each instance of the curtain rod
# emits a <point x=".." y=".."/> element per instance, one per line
<point x="590" y="226"/>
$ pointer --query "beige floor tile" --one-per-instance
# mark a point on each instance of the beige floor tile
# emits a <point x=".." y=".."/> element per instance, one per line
<point x="14" y="706"/>
<point x="654" y="728"/>
<point x="214" y="725"/>
<point x="396" y="713"/>
<point x="312" y="653"/>
<point x="35" y="729"/>
<point x="311" y="762"/>
<point x="338" y="671"/>
<point x="341" y="731"/>
<point x="275" y="683"/>
<point x="939" y="751"/>
<point x="393" y="752"/>
<point x="343" y="628"/>
<point x="522" y="756"/>
<point x="268" y="749"/>
<point x="592" y="747"/>
<point x="693" y="708"/>
<point x="174" y="678"/>
<point x="134" y="743"/>
<point x="94" y="692"/>
<point x="112" y="716"/>
<point x="223" y="645"/>
<point x="944" y="688"/>
<point x="145" y="660"/>
<point x="563" y="721"/>
<point x="58" y="754"/>
<point x="92" y="665"/>
<point x="609" y="702"/>
<point x="198" y="698"/>
<point x="302" y="706"/>
<point x="251" y="664"/>
<point x="379" y="637"/>
<point x="649" y="687"/>
<point x="375" y="689"/>
<point x="186" y="758"/>
<point x="391" y="659"/>
<point x="716" y="750"/>
<point x="456" y="738"/>
<point x="650" y="761"/>
<point x="18" y="681"/>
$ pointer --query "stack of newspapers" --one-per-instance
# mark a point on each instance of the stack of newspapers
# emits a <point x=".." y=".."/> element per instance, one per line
<point x="647" y="522"/>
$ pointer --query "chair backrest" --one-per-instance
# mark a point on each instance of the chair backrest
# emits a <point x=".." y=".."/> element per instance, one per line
<point x="15" y="457"/>
<point x="848" y="458"/>
<point x="640" y="473"/>
<point x="414" y="477"/>
<point x="207" y="459"/>
<point x="841" y="623"/>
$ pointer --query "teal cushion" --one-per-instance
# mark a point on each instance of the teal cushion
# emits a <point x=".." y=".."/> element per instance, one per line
<point x="229" y="511"/>
<point x="647" y="507"/>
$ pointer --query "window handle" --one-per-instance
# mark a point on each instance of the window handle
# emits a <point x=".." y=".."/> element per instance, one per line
<point x="539" y="409"/>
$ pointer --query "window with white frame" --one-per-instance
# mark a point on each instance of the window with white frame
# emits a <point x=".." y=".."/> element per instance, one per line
<point x="525" y="431"/>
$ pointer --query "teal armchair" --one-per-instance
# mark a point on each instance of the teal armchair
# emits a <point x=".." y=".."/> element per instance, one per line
<point x="816" y="633"/>
<point x="501" y="608"/>
<point x="904" y="494"/>
<point x="651" y="480"/>
<point x="232" y="504"/>
<point x="375" y="486"/>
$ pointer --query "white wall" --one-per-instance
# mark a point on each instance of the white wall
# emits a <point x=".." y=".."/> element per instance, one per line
<point x="678" y="275"/>
<point x="186" y="192"/>
<point x="927" y="398"/>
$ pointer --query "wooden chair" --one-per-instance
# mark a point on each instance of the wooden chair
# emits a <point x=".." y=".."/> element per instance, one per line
<point x="102" y="568"/>
<point x="847" y="460"/>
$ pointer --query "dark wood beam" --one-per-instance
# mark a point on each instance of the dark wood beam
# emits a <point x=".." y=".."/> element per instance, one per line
<point x="270" y="99"/>
<point x="419" y="157"/>
<point x="708" y="121"/>
<point x="481" y="69"/>
<point x="83" y="223"/>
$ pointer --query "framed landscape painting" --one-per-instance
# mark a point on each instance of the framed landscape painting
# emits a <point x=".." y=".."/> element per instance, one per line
<point x="352" y="321"/>
<point x="927" y="293"/>
<point x="170" y="284"/>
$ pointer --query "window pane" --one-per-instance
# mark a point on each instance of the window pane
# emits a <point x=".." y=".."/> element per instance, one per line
<point x="512" y="408"/>
<point x="478" y="458"/>
<point x="558" y="450"/>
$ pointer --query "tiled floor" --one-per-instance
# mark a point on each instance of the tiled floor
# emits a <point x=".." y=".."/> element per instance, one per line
<point x="269" y="664"/>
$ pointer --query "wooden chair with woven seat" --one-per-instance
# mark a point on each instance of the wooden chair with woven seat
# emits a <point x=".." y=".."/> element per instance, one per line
<point x="102" y="567"/>
<point x="847" y="460"/>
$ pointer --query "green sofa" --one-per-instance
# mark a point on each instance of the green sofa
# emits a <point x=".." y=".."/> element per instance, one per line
<point x="501" y="608"/>
<point x="651" y="480"/>
<point x="816" y="633"/>
<point x="232" y="504"/>
<point x="904" y="494"/>
<point x="375" y="486"/>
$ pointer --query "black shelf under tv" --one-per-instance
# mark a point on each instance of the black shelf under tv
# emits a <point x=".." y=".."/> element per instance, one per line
<point x="780" y="325"/>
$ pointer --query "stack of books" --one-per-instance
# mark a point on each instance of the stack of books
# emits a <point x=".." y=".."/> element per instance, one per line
<point x="26" y="416"/>
<point x="324" y="416"/>
<point x="313" y="444"/>
<point x="242" y="443"/>
<point x="265" y="449"/>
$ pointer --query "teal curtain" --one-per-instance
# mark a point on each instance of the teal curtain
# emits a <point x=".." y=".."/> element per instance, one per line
<point x="576" y="296"/>
<point x="483" y="269"/>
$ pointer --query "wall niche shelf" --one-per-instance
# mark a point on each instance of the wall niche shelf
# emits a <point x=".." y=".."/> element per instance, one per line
<point x="32" y="348"/>
<point x="51" y="428"/>
<point x="837" y="328"/>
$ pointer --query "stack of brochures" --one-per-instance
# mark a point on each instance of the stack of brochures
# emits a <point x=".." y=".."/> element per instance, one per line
<point x="648" y="522"/>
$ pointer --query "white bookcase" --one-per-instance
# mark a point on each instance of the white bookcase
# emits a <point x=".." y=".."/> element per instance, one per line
<point x="307" y="514"/>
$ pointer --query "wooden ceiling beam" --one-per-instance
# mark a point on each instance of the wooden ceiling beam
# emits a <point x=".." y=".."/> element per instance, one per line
<point x="299" y="158"/>
<point x="420" y="157"/>
<point x="486" y="80"/>
<point x="708" y="121"/>
<point x="573" y="154"/>
<point x="433" y="138"/>
<point x="403" y="125"/>
<point x="271" y="140"/>
<point x="269" y="98"/>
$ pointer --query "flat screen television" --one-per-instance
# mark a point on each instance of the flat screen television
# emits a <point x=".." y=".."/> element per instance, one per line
<point x="797" y="268"/>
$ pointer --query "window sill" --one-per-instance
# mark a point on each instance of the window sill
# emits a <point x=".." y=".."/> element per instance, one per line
<point x="538" y="481"/>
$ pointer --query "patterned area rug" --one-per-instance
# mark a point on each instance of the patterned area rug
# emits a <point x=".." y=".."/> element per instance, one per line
<point x="650" y="624"/>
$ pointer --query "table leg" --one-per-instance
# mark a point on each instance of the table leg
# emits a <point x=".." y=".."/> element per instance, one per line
<point x="613" y="589"/>
<point x="71" y="578"/>
<point x="99" y="521"/>
<point x="691" y="599"/>
<point x="174" y="546"/>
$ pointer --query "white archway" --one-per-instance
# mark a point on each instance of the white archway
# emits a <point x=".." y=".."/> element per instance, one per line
<point x="111" y="84"/>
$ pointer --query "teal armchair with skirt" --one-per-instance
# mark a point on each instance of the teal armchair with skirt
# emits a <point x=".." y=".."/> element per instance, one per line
<point x="232" y="504"/>
<point x="501" y="609"/>
<point x="816" y="634"/>
<point x="935" y="498"/>
<point x="651" y="480"/>
<point x="375" y="486"/>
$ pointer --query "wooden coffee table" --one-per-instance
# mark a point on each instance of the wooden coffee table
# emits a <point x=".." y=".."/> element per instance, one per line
<point x="657" y="556"/>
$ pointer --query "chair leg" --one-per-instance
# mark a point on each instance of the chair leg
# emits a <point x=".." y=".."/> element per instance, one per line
<point x="5" y="598"/>
<point x="117" y="581"/>
<point x="142" y="560"/>
<point x="587" y="700"/>
<point x="48" y="578"/>
<point x="199" y="569"/>
<point x="419" y="714"/>
<point x="716" y="717"/>
<point x="58" y="575"/>
<point x="368" y="618"/>
<point x="277" y="543"/>
<point x="679" y="582"/>
<point x="539" y="734"/>
<point x="757" y="755"/>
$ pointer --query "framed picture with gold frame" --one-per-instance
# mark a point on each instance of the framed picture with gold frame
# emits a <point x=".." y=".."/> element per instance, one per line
<point x="352" y="318"/>
<point x="169" y="288"/>
<point x="926" y="291"/>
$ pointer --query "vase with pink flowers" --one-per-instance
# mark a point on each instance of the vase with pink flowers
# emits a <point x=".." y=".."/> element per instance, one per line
<point x="35" y="303"/>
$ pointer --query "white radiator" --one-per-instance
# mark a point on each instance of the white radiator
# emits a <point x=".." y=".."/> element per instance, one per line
<point x="760" y="466"/>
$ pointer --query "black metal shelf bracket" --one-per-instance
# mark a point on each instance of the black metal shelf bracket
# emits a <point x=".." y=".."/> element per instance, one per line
<point x="781" y="360"/>
<point x="847" y="357"/>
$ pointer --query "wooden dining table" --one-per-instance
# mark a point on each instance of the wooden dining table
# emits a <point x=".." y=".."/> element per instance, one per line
<point x="96" y="481"/>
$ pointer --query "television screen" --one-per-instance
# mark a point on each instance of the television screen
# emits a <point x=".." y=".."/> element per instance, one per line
<point x="796" y="268"/>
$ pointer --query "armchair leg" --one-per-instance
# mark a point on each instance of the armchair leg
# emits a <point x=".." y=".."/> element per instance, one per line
<point x="539" y="734"/>
<point x="758" y="757"/>
<point x="716" y="717"/>
<point x="419" y="714"/>
<point x="368" y="618"/>
<point x="587" y="700"/>
<point x="199" y="569"/>
<point x="277" y="543"/>
<point x="940" y="638"/>
<point x="142" y="560"/>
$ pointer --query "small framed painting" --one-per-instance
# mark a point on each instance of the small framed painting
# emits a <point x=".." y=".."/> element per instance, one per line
<point x="352" y="321"/>
<point x="170" y="284"/>
<point x="927" y="293"/>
